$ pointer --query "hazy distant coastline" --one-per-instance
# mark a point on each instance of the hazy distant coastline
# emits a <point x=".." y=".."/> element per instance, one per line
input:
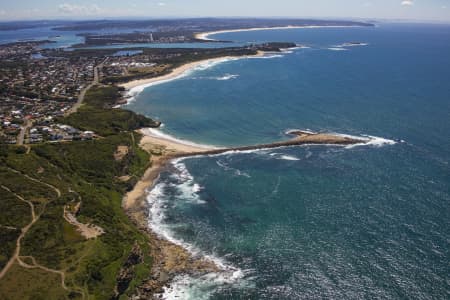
<point x="205" y="35"/>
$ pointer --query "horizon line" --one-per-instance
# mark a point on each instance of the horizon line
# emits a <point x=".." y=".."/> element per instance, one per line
<point x="143" y="18"/>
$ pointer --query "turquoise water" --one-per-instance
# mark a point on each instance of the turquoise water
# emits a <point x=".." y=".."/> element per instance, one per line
<point x="314" y="221"/>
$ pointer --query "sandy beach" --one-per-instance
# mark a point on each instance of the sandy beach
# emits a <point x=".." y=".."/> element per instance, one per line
<point x="178" y="72"/>
<point x="169" y="259"/>
<point x="162" y="150"/>
<point x="204" y="35"/>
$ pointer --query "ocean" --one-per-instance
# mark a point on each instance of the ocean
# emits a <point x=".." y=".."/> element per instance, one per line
<point x="313" y="222"/>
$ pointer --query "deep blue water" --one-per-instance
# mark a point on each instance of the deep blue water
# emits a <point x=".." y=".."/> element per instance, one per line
<point x="315" y="221"/>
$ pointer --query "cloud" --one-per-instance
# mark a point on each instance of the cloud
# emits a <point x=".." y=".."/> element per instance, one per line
<point x="73" y="9"/>
<point x="407" y="3"/>
<point x="161" y="4"/>
<point x="2" y="12"/>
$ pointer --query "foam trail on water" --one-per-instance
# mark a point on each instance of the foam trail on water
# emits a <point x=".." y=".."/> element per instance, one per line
<point x="282" y="156"/>
<point x="337" y="49"/>
<point x="237" y="172"/>
<point x="288" y="157"/>
<point x="227" y="77"/>
<point x="351" y="45"/>
<point x="369" y="140"/>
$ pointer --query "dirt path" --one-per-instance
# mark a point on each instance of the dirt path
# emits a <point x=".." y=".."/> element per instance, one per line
<point x="34" y="218"/>
<point x="21" y="236"/>
<point x="57" y="191"/>
<point x="36" y="265"/>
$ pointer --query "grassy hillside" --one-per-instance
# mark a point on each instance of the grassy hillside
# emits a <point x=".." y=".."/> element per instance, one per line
<point x="55" y="260"/>
<point x="96" y="114"/>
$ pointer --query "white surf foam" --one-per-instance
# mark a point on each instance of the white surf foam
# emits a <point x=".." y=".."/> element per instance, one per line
<point x="369" y="140"/>
<point x="378" y="141"/>
<point x="337" y="49"/>
<point x="267" y="56"/>
<point x="352" y="45"/>
<point x="187" y="286"/>
<point x="226" y="167"/>
<point x="133" y="92"/>
<point x="284" y="156"/>
<point x="227" y="77"/>
<point x="293" y="131"/>
<point x="288" y="157"/>
<point x="187" y="188"/>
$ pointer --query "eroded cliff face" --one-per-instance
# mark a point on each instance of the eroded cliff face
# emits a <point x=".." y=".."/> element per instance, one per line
<point x="127" y="272"/>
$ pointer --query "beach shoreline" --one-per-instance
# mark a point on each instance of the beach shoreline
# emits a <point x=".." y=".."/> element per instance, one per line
<point x="204" y="35"/>
<point x="169" y="259"/>
<point x="135" y="86"/>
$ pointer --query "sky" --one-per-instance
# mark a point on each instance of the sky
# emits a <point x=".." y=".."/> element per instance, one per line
<point x="427" y="10"/>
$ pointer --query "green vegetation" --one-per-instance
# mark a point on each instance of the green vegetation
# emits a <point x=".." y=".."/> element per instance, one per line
<point x="96" y="114"/>
<point x="52" y="176"/>
<point x="21" y="283"/>
<point x="177" y="57"/>
<point x="102" y="97"/>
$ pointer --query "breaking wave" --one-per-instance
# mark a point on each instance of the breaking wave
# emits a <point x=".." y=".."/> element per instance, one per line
<point x="337" y="49"/>
<point x="186" y="286"/>
<point x="227" y="77"/>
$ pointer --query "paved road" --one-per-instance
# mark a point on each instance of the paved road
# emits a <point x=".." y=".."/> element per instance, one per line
<point x="96" y="81"/>
<point x="74" y="108"/>
<point x="23" y="131"/>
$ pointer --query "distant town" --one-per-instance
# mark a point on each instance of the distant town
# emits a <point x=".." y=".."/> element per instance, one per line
<point x="40" y="86"/>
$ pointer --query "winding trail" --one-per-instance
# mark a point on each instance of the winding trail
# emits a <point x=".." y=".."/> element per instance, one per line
<point x="34" y="218"/>
<point x="25" y="229"/>
<point x="57" y="191"/>
<point x="36" y="265"/>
